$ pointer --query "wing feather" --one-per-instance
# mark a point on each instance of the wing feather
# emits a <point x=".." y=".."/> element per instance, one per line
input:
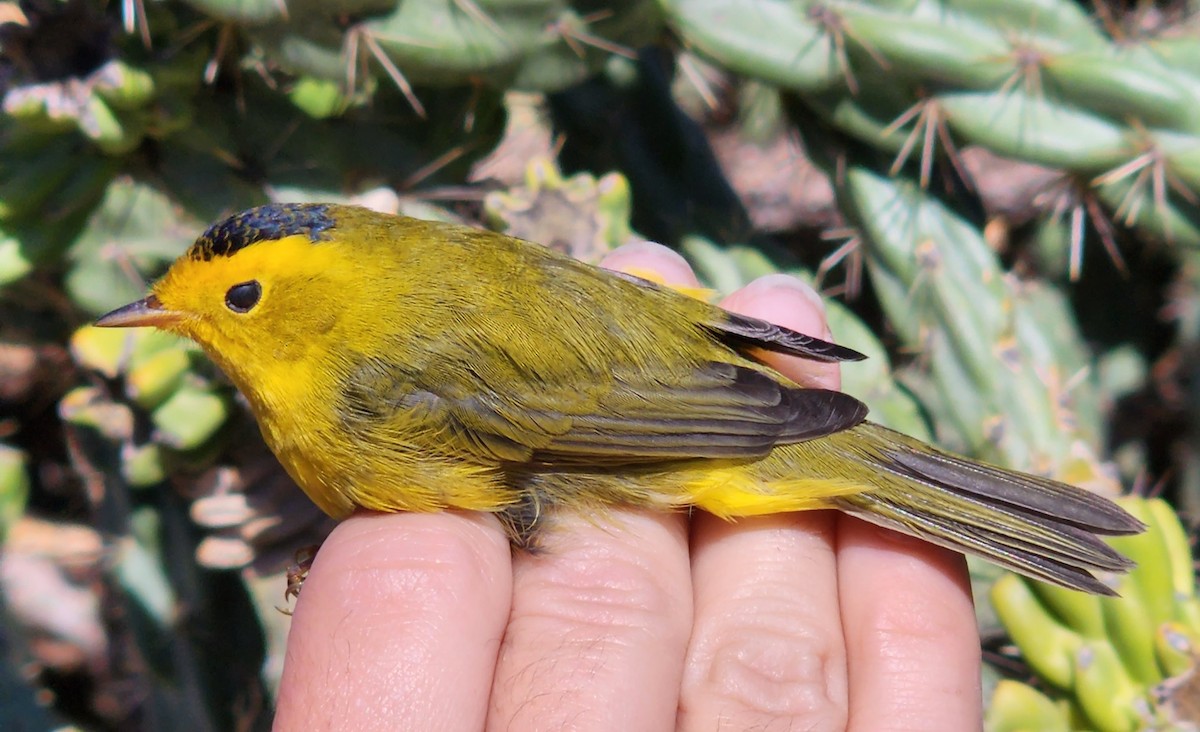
<point x="719" y="410"/>
<point x="741" y="332"/>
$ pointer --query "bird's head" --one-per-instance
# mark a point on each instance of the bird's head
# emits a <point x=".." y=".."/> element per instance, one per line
<point x="270" y="285"/>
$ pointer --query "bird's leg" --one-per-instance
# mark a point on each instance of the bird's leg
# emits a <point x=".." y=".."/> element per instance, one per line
<point x="523" y="522"/>
<point x="298" y="572"/>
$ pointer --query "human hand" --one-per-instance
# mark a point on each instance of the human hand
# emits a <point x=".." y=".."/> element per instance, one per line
<point x="639" y="620"/>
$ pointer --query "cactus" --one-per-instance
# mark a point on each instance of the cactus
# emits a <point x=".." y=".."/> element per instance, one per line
<point x="1113" y="664"/>
<point x="992" y="348"/>
<point x="1037" y="81"/>
<point x="106" y="106"/>
<point x="180" y="411"/>
<point x="581" y="216"/>
<point x="14" y="487"/>
<point x="542" y="46"/>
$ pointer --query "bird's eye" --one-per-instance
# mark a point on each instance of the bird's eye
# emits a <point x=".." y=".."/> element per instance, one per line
<point x="241" y="297"/>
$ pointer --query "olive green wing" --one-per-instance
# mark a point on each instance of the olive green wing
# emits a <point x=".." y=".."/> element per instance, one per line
<point x="713" y="410"/>
<point x="722" y="411"/>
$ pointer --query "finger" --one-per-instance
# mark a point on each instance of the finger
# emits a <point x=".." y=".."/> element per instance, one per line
<point x="601" y="617"/>
<point x="646" y="257"/>
<point x="913" y="653"/>
<point x="599" y="625"/>
<point x="398" y="625"/>
<point x="787" y="301"/>
<point x="767" y="648"/>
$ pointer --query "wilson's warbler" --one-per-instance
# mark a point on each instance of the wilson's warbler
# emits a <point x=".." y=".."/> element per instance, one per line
<point x="406" y="365"/>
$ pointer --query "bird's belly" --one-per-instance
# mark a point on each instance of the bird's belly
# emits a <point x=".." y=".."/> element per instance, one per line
<point x="341" y="474"/>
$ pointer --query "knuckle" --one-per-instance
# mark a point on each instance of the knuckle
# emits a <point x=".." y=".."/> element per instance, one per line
<point x="612" y="589"/>
<point x="771" y="674"/>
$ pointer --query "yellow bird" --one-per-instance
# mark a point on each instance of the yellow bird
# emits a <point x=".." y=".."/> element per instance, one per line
<point x="407" y="365"/>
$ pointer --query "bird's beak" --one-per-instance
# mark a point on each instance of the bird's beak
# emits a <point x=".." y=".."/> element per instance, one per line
<point x="148" y="311"/>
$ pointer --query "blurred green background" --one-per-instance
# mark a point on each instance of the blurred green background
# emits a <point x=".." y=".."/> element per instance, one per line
<point x="1001" y="197"/>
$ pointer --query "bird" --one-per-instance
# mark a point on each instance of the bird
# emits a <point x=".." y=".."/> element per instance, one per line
<point x="399" y="364"/>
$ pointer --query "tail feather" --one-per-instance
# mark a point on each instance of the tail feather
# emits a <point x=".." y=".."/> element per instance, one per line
<point x="1035" y="526"/>
<point x="1071" y="568"/>
<point x="1021" y="491"/>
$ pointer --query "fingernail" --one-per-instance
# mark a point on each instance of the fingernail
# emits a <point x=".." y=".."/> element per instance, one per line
<point x="786" y="282"/>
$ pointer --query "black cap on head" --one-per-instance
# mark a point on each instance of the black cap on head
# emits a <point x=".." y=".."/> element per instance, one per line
<point x="263" y="223"/>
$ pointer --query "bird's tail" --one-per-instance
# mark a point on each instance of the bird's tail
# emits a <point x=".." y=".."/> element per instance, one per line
<point x="1034" y="526"/>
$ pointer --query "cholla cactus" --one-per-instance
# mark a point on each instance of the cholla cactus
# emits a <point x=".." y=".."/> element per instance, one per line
<point x="1114" y="664"/>
<point x="1002" y="366"/>
<point x="179" y="410"/>
<point x="14" y="486"/>
<point x="581" y="215"/>
<point x="1037" y="81"/>
<point x="544" y="45"/>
